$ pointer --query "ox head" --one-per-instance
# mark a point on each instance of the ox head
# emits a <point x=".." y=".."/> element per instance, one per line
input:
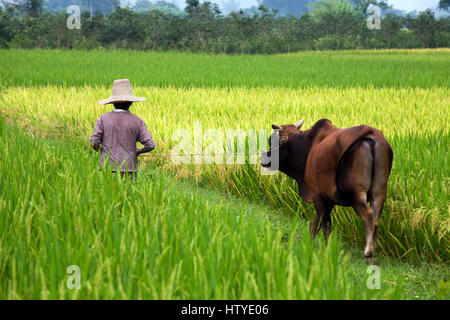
<point x="281" y="146"/>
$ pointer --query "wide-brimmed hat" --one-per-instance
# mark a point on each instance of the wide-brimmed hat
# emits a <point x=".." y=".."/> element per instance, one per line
<point x="121" y="92"/>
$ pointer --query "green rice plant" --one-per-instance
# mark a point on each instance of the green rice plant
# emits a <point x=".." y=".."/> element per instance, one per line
<point x="337" y="69"/>
<point x="150" y="239"/>
<point x="415" y="223"/>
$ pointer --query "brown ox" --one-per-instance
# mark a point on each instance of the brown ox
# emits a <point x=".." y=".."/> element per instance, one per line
<point x="332" y="166"/>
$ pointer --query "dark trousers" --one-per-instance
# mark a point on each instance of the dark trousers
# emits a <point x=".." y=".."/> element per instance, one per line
<point x="131" y="175"/>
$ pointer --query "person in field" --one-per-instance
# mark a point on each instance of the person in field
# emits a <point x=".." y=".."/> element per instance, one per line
<point x="116" y="132"/>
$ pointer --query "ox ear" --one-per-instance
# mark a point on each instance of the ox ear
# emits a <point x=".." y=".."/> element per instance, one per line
<point x="300" y="123"/>
<point x="276" y="127"/>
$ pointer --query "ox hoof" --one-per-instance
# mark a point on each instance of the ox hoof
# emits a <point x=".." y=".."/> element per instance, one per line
<point x="372" y="260"/>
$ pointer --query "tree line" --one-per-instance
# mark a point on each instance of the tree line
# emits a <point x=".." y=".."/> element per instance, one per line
<point x="326" y="25"/>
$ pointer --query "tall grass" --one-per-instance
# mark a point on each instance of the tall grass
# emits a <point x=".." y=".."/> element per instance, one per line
<point x="151" y="239"/>
<point x="415" y="223"/>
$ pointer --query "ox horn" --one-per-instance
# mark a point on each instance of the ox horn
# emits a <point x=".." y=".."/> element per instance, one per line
<point x="300" y="123"/>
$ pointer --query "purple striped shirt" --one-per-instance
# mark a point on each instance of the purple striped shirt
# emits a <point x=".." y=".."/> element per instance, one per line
<point x="117" y="133"/>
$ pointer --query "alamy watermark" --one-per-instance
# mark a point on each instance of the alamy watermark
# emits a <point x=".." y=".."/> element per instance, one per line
<point x="214" y="146"/>
<point x="374" y="280"/>
<point x="74" y="18"/>
<point x="74" y="280"/>
<point x="374" y="20"/>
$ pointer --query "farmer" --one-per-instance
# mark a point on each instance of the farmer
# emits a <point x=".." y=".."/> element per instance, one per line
<point x="117" y="132"/>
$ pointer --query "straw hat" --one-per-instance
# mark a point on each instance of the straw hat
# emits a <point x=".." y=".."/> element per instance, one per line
<point x="121" y="92"/>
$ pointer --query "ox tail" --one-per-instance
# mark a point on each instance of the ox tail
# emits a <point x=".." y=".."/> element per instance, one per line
<point x="382" y="156"/>
<point x="372" y="144"/>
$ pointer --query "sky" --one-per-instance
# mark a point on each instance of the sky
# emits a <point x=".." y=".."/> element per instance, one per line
<point x="410" y="5"/>
<point x="406" y="5"/>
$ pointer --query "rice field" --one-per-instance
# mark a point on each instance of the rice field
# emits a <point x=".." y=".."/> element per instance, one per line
<point x="53" y="97"/>
<point x="343" y="69"/>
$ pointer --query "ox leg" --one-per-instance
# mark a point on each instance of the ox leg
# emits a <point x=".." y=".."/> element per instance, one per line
<point x="366" y="213"/>
<point x="377" y="206"/>
<point x="322" y="218"/>
<point x="314" y="226"/>
<point x="381" y="169"/>
<point x="326" y="223"/>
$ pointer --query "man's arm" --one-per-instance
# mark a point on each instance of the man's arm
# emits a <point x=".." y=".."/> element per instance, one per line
<point x="146" y="139"/>
<point x="97" y="136"/>
<point x="95" y="146"/>
<point x="144" y="150"/>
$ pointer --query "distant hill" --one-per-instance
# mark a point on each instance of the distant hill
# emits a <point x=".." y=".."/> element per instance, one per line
<point x="283" y="7"/>
<point x="171" y="11"/>
<point x="288" y="7"/>
<point x="145" y="6"/>
<point x="106" y="6"/>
